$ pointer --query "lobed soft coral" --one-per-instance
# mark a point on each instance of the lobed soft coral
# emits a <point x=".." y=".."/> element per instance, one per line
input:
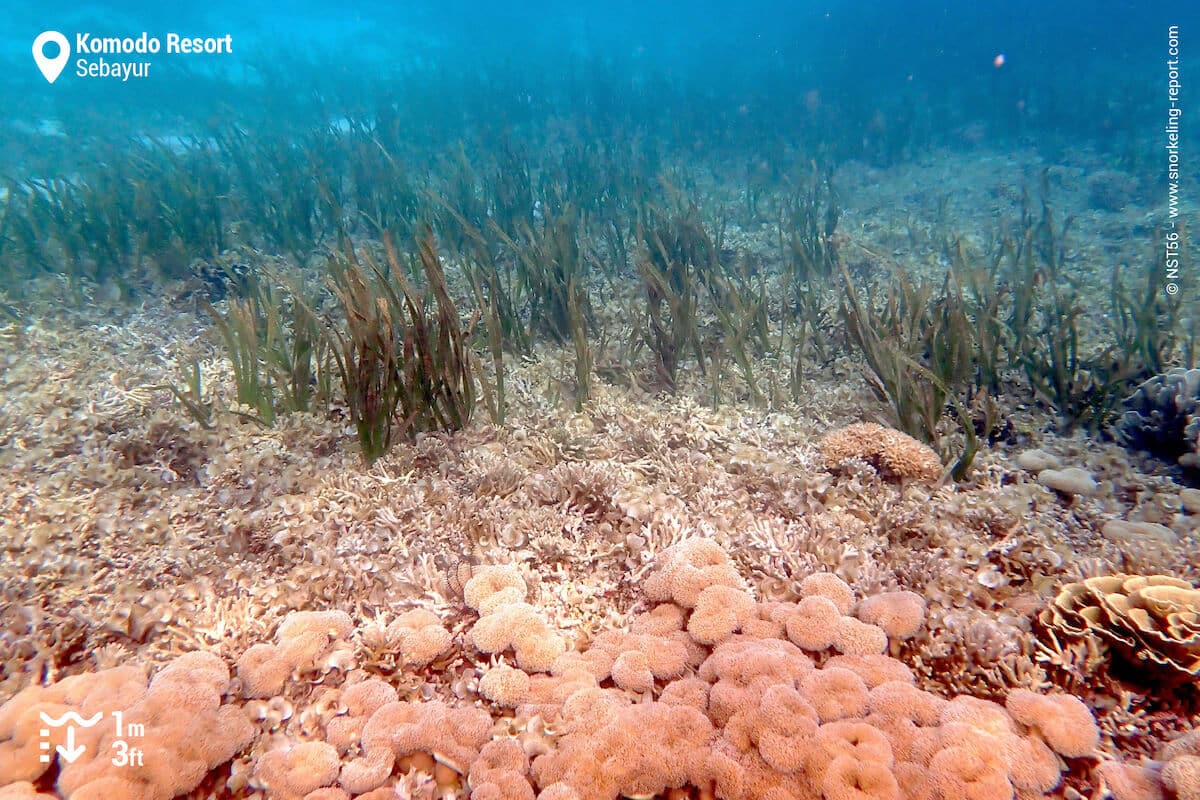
<point x="1062" y="720"/>
<point x="20" y="723"/>
<point x="521" y="628"/>
<point x="294" y="772"/>
<point x="616" y="748"/>
<point x="304" y="640"/>
<point x="899" y="614"/>
<point x="836" y="693"/>
<point x="635" y="660"/>
<point x="708" y="695"/>
<point x="830" y="586"/>
<point x="854" y="637"/>
<point x="1182" y="777"/>
<point x="358" y="701"/>
<point x="687" y="569"/>
<point x="23" y="790"/>
<point x="720" y="611"/>
<point x="1181" y="770"/>
<point x="741" y="671"/>
<point x="505" y="686"/>
<point x="188" y="732"/>
<point x="420" y="637"/>
<point x="1163" y="417"/>
<point x="874" y="668"/>
<point x="965" y="774"/>
<point x="500" y="772"/>
<point x="493" y="586"/>
<point x="400" y="729"/>
<point x="779" y="726"/>
<point x="851" y="779"/>
<point x="811" y="624"/>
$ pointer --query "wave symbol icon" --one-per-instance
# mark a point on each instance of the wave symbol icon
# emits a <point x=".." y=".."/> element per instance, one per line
<point x="72" y="717"/>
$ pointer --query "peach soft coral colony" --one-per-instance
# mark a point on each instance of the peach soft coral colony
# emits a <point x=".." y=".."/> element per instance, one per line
<point x="709" y="694"/>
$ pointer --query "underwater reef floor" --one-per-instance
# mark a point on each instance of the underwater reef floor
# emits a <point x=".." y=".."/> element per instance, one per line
<point x="648" y="597"/>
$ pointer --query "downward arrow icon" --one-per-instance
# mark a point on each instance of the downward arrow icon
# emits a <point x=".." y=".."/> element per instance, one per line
<point x="70" y="752"/>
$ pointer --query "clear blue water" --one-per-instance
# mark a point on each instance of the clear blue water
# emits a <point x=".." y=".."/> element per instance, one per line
<point x="1074" y="70"/>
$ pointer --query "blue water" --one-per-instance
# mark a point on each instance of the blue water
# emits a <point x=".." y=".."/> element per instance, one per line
<point x="1090" y="70"/>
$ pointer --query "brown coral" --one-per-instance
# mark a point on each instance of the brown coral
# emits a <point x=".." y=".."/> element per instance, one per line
<point x="494" y="585"/>
<point x="616" y="748"/>
<point x="23" y="790"/>
<point x="505" y="685"/>
<point x="811" y="624"/>
<point x="836" y="693"/>
<point x="722" y="709"/>
<point x="893" y="452"/>
<point x="499" y="772"/>
<point x="780" y="726"/>
<point x="187" y="730"/>
<point x="1182" y="776"/>
<point x="359" y="702"/>
<point x="826" y="584"/>
<point x="1181" y="773"/>
<point x="401" y="729"/>
<point x="851" y="779"/>
<point x="687" y="569"/>
<point x="720" y="611"/>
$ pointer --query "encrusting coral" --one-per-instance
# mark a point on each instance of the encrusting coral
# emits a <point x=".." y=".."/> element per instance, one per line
<point x="895" y="453"/>
<point x="759" y="700"/>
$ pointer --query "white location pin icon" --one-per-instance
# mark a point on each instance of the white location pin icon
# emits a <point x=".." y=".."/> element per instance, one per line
<point x="51" y="67"/>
